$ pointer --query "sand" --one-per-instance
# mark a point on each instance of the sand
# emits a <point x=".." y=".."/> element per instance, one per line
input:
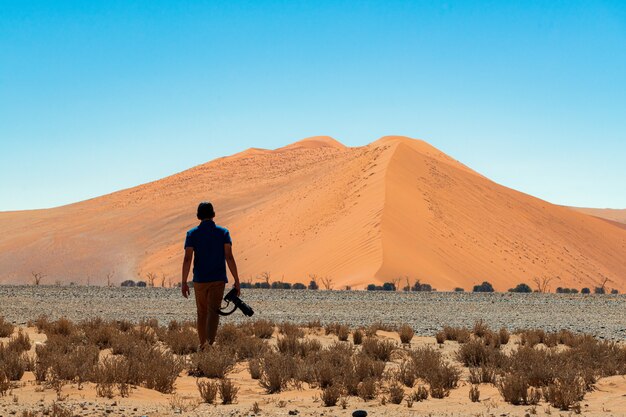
<point x="396" y="207"/>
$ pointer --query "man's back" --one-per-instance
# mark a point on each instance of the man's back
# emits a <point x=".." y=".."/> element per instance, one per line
<point x="207" y="241"/>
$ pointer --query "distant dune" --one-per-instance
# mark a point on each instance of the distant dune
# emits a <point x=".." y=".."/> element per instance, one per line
<point x="613" y="215"/>
<point x="396" y="207"/>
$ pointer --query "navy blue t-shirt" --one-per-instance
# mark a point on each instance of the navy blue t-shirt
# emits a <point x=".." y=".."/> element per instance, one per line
<point x="207" y="241"/>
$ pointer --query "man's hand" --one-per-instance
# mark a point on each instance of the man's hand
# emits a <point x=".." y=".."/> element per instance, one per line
<point x="185" y="289"/>
<point x="237" y="286"/>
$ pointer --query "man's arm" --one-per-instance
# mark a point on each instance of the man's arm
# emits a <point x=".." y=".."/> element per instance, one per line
<point x="185" y="274"/>
<point x="232" y="265"/>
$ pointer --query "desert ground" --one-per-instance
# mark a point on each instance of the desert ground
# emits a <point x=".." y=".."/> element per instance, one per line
<point x="114" y="321"/>
<point x="603" y="316"/>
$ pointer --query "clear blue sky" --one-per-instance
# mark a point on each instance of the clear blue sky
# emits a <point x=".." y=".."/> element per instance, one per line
<point x="96" y="96"/>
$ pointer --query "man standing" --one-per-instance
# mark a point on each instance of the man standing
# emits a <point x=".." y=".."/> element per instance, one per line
<point x="210" y="247"/>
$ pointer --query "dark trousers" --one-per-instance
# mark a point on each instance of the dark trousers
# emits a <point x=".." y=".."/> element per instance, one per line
<point x="208" y="302"/>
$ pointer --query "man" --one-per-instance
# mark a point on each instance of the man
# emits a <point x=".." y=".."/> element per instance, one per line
<point x="210" y="247"/>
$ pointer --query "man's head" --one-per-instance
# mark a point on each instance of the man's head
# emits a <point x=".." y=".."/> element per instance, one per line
<point x="205" y="211"/>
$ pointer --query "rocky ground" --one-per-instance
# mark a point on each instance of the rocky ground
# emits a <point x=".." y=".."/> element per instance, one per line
<point x="603" y="316"/>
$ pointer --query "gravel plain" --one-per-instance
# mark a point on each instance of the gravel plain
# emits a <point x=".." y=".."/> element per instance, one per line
<point x="603" y="316"/>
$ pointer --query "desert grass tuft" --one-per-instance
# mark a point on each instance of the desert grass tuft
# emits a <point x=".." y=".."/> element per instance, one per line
<point x="357" y="336"/>
<point x="213" y="362"/>
<point x="330" y="395"/>
<point x="263" y="329"/>
<point x="378" y="349"/>
<point x="208" y="390"/>
<point x="228" y="391"/>
<point x="6" y="328"/>
<point x="406" y="334"/>
<point x="474" y="394"/>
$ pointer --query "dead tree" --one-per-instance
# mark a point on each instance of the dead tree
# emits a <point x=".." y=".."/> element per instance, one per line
<point x="327" y="282"/>
<point x="37" y="277"/>
<point x="163" y="280"/>
<point x="267" y="277"/>
<point x="109" y="277"/>
<point x="151" y="277"/>
<point x="543" y="284"/>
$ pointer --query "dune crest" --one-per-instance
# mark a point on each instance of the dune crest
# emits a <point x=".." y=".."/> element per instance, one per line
<point x="395" y="208"/>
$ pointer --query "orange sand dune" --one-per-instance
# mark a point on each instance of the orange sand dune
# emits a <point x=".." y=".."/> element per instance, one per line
<point x="397" y="207"/>
<point x="614" y="215"/>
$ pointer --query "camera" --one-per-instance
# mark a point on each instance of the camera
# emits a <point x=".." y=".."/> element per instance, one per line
<point x="231" y="297"/>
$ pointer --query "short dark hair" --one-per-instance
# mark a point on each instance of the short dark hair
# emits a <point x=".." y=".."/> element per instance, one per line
<point x="205" y="211"/>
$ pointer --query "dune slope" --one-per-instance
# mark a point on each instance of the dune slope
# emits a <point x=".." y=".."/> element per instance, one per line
<point x="397" y="207"/>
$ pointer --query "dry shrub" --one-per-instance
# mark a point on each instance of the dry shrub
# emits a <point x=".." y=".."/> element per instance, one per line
<point x="474" y="394"/>
<point x="12" y="364"/>
<point x="111" y="372"/>
<point x="551" y="339"/>
<point x="516" y="390"/>
<point x="160" y="370"/>
<point x="182" y="340"/>
<point x="457" y="334"/>
<point x="430" y="366"/>
<point x="314" y="324"/>
<point x="241" y="341"/>
<point x="504" y="336"/>
<point x="378" y="349"/>
<point x="228" y="334"/>
<point x="6" y="328"/>
<point x="331" y="364"/>
<point x="58" y="410"/>
<point x="421" y="394"/>
<point x="228" y="391"/>
<point x="440" y="337"/>
<point x="480" y="328"/>
<point x="343" y="332"/>
<point x="98" y="332"/>
<point x="263" y="329"/>
<point x="290" y="329"/>
<point x="254" y="366"/>
<point x="531" y="338"/>
<point x="62" y="327"/>
<point x="287" y="345"/>
<point x="366" y="367"/>
<point x="277" y="371"/>
<point x="213" y="362"/>
<point x="208" y="390"/>
<point x="406" y="334"/>
<point x="477" y="353"/>
<point x="330" y="395"/>
<point x="123" y="325"/>
<point x="442" y="379"/>
<point x="124" y="343"/>
<point x="20" y="342"/>
<point x="67" y="358"/>
<point x="396" y="393"/>
<point x="492" y="339"/>
<point x="146" y="332"/>
<point x="566" y="391"/>
<point x="484" y="374"/>
<point x="568" y="338"/>
<point x="538" y="367"/>
<point x="406" y="373"/>
<point x="367" y="389"/>
<point x="331" y="328"/>
<point x="423" y="359"/>
<point x="5" y="383"/>
<point x="250" y="347"/>
<point x="357" y="337"/>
